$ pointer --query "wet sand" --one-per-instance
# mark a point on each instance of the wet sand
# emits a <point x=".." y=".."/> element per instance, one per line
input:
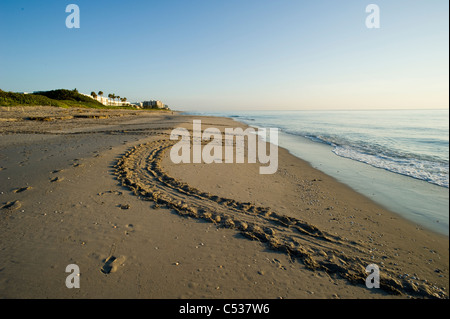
<point x="97" y="189"/>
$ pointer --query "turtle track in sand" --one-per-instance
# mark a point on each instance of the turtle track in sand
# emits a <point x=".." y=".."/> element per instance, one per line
<point x="140" y="170"/>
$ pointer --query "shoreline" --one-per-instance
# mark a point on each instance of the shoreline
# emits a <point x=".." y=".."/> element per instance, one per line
<point x="418" y="201"/>
<point x="76" y="212"/>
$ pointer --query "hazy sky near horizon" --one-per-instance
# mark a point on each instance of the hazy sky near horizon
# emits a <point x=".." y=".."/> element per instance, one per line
<point x="233" y="54"/>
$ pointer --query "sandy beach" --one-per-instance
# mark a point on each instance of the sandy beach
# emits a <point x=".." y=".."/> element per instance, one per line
<point x="97" y="188"/>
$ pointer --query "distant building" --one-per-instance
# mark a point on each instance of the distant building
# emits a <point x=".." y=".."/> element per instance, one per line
<point x="107" y="101"/>
<point x="152" y="104"/>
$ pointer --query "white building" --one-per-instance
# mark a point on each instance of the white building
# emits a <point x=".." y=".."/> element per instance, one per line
<point x="108" y="101"/>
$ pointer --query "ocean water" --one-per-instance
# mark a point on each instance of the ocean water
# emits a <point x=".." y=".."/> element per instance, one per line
<point x="404" y="153"/>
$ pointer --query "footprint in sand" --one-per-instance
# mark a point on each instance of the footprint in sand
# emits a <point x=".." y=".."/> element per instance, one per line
<point x="110" y="192"/>
<point x="21" y="189"/>
<point x="112" y="264"/>
<point x="12" y="205"/>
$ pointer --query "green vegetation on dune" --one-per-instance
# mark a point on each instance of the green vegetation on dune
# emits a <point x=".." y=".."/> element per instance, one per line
<point x="18" y="99"/>
<point x="67" y="95"/>
<point x="58" y="98"/>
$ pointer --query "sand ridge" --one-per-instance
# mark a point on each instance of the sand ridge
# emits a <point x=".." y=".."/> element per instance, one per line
<point x="140" y="169"/>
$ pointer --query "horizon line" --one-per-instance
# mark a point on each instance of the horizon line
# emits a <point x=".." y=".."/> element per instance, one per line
<point x="290" y="110"/>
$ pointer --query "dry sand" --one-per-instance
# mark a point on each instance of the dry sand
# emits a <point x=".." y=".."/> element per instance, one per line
<point x="97" y="189"/>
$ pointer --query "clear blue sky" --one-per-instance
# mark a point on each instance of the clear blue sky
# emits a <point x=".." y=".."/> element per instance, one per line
<point x="232" y="54"/>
